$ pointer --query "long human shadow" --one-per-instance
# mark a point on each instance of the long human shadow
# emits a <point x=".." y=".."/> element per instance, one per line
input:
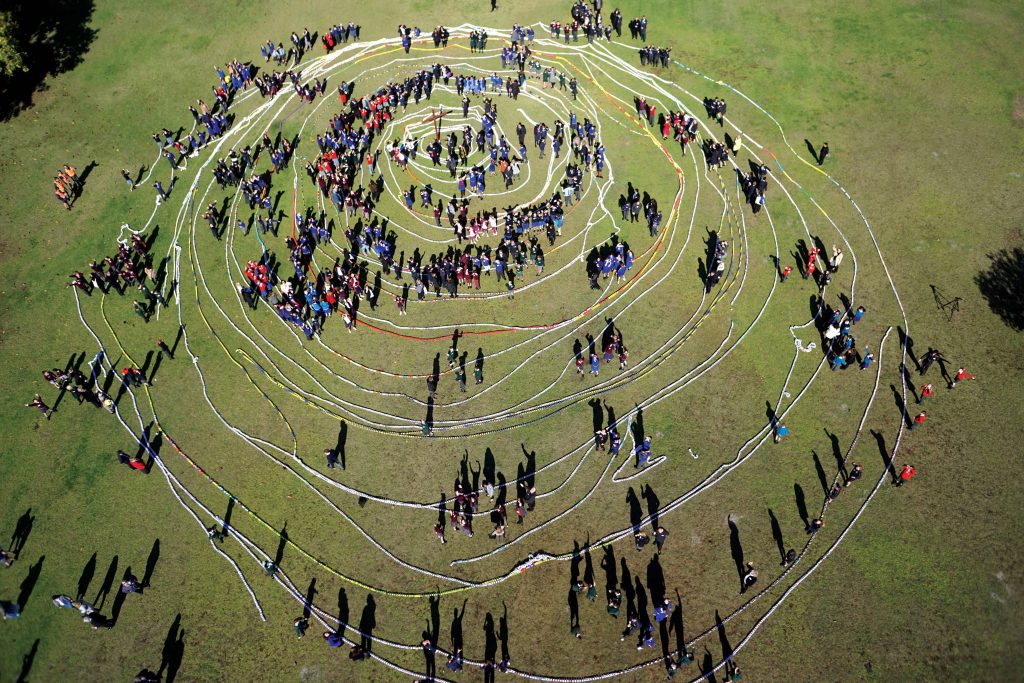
<point x="777" y="535"/>
<point x="900" y="405"/>
<point x="588" y="564"/>
<point x="154" y="557"/>
<point x="822" y="478"/>
<point x="108" y="581"/>
<point x="307" y="602"/>
<point x="22" y="529"/>
<point x="367" y="622"/>
<point x="723" y="638"/>
<point x="656" y="580"/>
<point x="627" y="590"/>
<point x="434" y="626"/>
<point x="503" y="632"/>
<point x="442" y="509"/>
<point x="597" y="413"/>
<point x="908" y="378"/>
<point x="641" y="603"/>
<point x="639" y="433"/>
<point x="343" y="610"/>
<point x="837" y="454"/>
<point x="908" y="345"/>
<point x="227" y="516"/>
<point x="811" y="150"/>
<point x="282" y="542"/>
<point x="573" y="603"/>
<point x="173" y="651"/>
<point x="635" y="511"/>
<point x="339" y="447"/>
<point x="28" y="584"/>
<point x="801" y="503"/>
<point x="886" y="458"/>
<point x="652" y="505"/>
<point x="53" y="36"/>
<point x="26" y="662"/>
<point x="574" y="563"/>
<point x="85" y="579"/>
<point x="611" y="579"/>
<point x="707" y="667"/>
<point x="456" y="627"/>
<point x="736" y="548"/>
<point x="676" y="626"/>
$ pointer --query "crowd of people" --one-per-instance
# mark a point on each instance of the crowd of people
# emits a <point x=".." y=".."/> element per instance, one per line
<point x="654" y="56"/>
<point x="67" y="186"/>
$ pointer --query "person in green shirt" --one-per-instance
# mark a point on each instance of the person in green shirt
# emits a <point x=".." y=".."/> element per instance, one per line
<point x="301" y="624"/>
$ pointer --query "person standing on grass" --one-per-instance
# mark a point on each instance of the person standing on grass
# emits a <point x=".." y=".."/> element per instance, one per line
<point x="749" y="577"/>
<point x="961" y="374"/>
<point x="859" y="314"/>
<point x="918" y="420"/>
<point x="161" y="193"/>
<point x="128" y="179"/>
<point x="332" y="458"/>
<point x="822" y="154"/>
<point x="868" y="358"/>
<point x="781" y="432"/>
<point x="932" y="356"/>
<point x="659" y="537"/>
<point x="927" y="391"/>
<point x="164" y="349"/>
<point x="595" y="364"/>
<point x="785" y="273"/>
<point x="906" y="474"/>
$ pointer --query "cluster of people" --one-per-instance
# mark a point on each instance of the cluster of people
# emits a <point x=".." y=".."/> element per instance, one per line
<point x="131" y="266"/>
<point x="632" y="202"/>
<point x="754" y="184"/>
<point x="339" y="35"/>
<point x="612" y="258"/>
<point x="587" y="20"/>
<point x="638" y="28"/>
<point x="719" y="250"/>
<point x="654" y="56"/>
<point x="67" y="185"/>
<point x="477" y="39"/>
<point x="715" y="107"/>
<point x="839" y="343"/>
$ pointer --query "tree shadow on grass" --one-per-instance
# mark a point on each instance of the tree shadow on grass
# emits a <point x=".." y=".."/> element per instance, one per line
<point x="54" y="35"/>
<point x="1002" y="285"/>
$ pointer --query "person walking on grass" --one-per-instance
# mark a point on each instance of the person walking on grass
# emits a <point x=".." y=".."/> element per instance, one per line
<point x="823" y="154"/>
<point x="918" y="420"/>
<point x="927" y="391"/>
<point x="906" y="474"/>
<point x="785" y="273"/>
<point x="128" y="179"/>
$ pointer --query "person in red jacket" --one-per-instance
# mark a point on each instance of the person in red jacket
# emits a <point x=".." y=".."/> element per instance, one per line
<point x="927" y="391"/>
<point x="786" y="271"/>
<point x="918" y="420"/>
<point x="961" y="374"/>
<point x="906" y="474"/>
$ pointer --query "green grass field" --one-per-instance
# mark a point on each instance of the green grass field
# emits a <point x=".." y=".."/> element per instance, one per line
<point x="923" y="107"/>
